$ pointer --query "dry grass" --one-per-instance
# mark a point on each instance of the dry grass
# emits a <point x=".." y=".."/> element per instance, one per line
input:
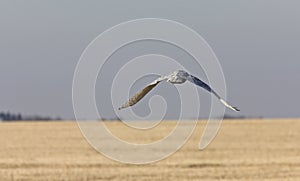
<point x="243" y="150"/>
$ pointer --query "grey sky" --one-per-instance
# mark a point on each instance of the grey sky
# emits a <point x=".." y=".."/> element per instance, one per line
<point x="257" y="43"/>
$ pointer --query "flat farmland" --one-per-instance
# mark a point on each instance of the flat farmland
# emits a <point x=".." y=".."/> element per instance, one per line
<point x="262" y="149"/>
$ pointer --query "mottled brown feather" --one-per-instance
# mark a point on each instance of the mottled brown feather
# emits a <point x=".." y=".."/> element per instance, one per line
<point x="138" y="96"/>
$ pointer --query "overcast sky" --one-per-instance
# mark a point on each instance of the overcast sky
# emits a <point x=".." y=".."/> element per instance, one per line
<point x="257" y="43"/>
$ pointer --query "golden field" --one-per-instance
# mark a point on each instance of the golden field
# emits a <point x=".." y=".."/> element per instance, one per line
<point x="242" y="150"/>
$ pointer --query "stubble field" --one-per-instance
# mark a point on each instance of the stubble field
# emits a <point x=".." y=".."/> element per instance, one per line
<point x="243" y="150"/>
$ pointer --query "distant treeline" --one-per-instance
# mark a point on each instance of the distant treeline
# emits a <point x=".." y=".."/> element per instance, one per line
<point x="7" y="116"/>
<point x="227" y="116"/>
